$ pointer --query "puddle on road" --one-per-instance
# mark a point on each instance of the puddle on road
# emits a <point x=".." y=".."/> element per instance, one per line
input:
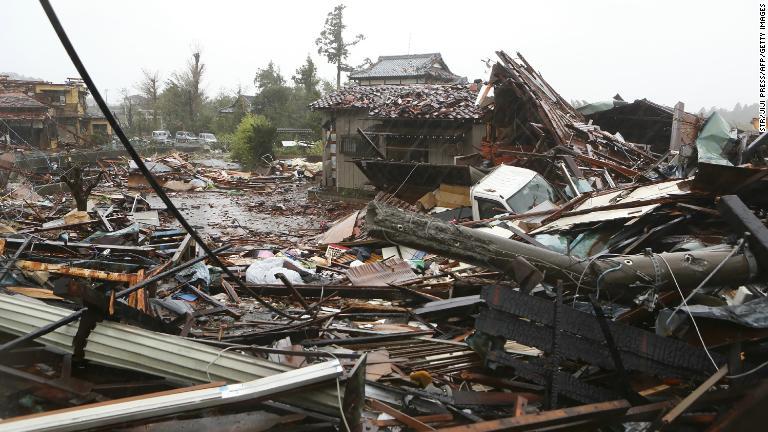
<point x="223" y="212"/>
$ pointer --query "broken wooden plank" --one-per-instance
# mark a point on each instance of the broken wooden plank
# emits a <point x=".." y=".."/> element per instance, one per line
<point x="400" y="416"/>
<point x="592" y="412"/>
<point x="65" y="269"/>
<point x="694" y="396"/>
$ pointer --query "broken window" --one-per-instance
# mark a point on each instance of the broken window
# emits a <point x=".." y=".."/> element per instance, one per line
<point x="532" y="194"/>
<point x="352" y="145"/>
<point x="489" y="208"/>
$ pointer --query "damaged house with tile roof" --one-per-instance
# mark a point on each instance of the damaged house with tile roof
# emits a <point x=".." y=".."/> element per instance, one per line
<point x="395" y="127"/>
<point x="24" y="120"/>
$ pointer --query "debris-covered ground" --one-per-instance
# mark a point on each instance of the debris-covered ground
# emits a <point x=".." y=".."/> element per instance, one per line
<point x="581" y="282"/>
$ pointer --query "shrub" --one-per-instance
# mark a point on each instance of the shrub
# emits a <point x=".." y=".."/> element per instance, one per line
<point x="253" y="139"/>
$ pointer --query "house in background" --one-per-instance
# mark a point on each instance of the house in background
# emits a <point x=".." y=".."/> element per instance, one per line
<point x="243" y="103"/>
<point x="402" y="126"/>
<point x="67" y="108"/>
<point x="24" y="121"/>
<point x="407" y="69"/>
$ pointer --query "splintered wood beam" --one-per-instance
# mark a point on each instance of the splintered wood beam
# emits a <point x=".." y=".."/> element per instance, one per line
<point x="400" y="416"/>
<point x="590" y="413"/>
<point x="65" y="269"/>
<point x="694" y="396"/>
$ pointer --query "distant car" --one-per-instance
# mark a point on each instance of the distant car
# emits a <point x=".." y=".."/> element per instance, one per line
<point x="207" y="138"/>
<point x="185" y="137"/>
<point x="162" y="136"/>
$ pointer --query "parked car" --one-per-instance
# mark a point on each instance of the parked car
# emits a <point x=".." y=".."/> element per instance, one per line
<point x="207" y="138"/>
<point x="185" y="137"/>
<point x="162" y="137"/>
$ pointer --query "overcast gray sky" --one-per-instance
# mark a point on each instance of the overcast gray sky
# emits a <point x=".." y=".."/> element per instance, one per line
<point x="702" y="53"/>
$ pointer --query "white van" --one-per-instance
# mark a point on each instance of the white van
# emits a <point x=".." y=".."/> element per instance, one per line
<point x="207" y="138"/>
<point x="509" y="189"/>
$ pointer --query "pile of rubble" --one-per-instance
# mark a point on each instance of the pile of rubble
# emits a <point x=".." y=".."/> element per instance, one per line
<point x="582" y="283"/>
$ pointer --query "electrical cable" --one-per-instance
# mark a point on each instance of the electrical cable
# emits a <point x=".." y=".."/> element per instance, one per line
<point x="757" y="368"/>
<point x="338" y="394"/>
<point x="416" y="164"/>
<point x="695" y="326"/>
<point x="72" y="53"/>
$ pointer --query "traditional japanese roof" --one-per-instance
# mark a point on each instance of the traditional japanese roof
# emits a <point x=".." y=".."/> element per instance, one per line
<point x="19" y="101"/>
<point x="18" y="106"/>
<point x="408" y="66"/>
<point x="417" y="101"/>
<point x="249" y="100"/>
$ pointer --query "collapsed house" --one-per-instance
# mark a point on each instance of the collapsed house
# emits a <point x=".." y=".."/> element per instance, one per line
<point x="67" y="109"/>
<point x="24" y="120"/>
<point x="647" y="124"/>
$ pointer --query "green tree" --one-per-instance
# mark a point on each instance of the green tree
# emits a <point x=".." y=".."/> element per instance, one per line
<point x="307" y="80"/>
<point x="252" y="140"/>
<point x="274" y="99"/>
<point x="331" y="42"/>
<point x="268" y="77"/>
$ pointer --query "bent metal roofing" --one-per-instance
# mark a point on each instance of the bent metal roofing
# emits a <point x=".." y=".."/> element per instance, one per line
<point x="415" y="101"/>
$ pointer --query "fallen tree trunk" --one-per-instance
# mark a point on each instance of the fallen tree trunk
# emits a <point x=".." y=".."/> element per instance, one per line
<point x="622" y="275"/>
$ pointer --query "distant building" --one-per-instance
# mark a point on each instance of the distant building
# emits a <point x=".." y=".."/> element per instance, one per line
<point x="407" y="69"/>
<point x="66" y="104"/>
<point x="24" y="121"/>
<point x="244" y="103"/>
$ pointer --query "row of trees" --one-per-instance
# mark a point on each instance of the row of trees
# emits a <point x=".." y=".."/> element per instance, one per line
<point x="180" y="102"/>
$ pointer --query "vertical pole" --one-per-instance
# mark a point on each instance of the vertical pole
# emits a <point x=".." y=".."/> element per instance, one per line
<point x="554" y="358"/>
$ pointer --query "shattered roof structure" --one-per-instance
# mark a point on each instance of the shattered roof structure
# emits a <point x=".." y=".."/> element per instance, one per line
<point x="529" y="114"/>
<point x="18" y="106"/>
<point x="426" y="66"/>
<point x="19" y="101"/>
<point x="647" y="122"/>
<point x="419" y="101"/>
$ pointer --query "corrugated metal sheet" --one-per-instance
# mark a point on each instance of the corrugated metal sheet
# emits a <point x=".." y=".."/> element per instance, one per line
<point x="101" y="415"/>
<point x="128" y="347"/>
<point x="381" y="273"/>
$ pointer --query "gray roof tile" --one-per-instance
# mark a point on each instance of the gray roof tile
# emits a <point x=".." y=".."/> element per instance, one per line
<point x="418" y="101"/>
